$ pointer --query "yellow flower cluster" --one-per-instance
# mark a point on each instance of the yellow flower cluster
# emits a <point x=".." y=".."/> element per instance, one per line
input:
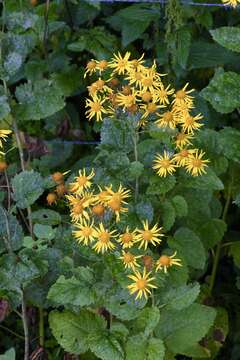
<point x="233" y="3"/>
<point x="89" y="207"/>
<point x="131" y="87"/>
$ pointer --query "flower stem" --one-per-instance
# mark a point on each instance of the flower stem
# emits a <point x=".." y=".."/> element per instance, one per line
<point x="219" y="245"/>
<point x="41" y="327"/>
<point x="25" y="327"/>
<point x="135" y="141"/>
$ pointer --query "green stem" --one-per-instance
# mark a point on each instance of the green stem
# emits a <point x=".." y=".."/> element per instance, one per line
<point x="41" y="327"/>
<point x="12" y="332"/>
<point x="135" y="141"/>
<point x="25" y="327"/>
<point x="219" y="245"/>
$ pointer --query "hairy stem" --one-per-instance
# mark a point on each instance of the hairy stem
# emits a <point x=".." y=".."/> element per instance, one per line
<point x="25" y="328"/>
<point x="219" y="245"/>
<point x="41" y="327"/>
<point x="135" y="141"/>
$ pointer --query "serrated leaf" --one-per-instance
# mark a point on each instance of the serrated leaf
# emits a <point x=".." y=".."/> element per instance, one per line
<point x="234" y="251"/>
<point x="144" y="210"/>
<point x="38" y="100"/>
<point x="228" y="37"/>
<point x="182" y="329"/>
<point x="136" y="168"/>
<point x="189" y="246"/>
<point x="116" y="134"/>
<point x="181" y="297"/>
<point x="230" y="141"/>
<point x="44" y="231"/>
<point x="158" y="185"/>
<point x="155" y="349"/>
<point x="141" y="348"/>
<point x="27" y="187"/>
<point x="180" y="205"/>
<point x="212" y="232"/>
<point x="208" y="181"/>
<point x="223" y="91"/>
<point x="147" y="320"/>
<point x="167" y="215"/>
<point x="4" y="105"/>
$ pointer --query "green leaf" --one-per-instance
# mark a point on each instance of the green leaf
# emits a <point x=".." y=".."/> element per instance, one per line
<point x="77" y="333"/>
<point x="223" y="91"/>
<point x="180" y="205"/>
<point x="139" y="347"/>
<point x="181" y="297"/>
<point x="189" y="246"/>
<point x="144" y="210"/>
<point x="27" y="187"/>
<point x="8" y="355"/>
<point x="136" y="169"/>
<point x="167" y="215"/>
<point x="73" y="291"/>
<point x="39" y="99"/>
<point x="208" y="181"/>
<point x="212" y="232"/>
<point x="159" y="185"/>
<point x="117" y="134"/>
<point x="147" y="320"/>
<point x="4" y="105"/>
<point x="234" y="251"/>
<point x="46" y="217"/>
<point x="44" y="231"/>
<point x="182" y="329"/>
<point x="230" y="141"/>
<point x="228" y="37"/>
<point x="183" y="47"/>
<point x="10" y="231"/>
<point x="74" y="331"/>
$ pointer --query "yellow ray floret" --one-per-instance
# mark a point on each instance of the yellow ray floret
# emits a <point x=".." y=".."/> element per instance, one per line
<point x="82" y="182"/>
<point x="182" y="96"/>
<point x="90" y="68"/>
<point x="104" y="239"/>
<point x="190" y="123"/>
<point x="129" y="260"/>
<point x="148" y="236"/>
<point x="121" y="194"/>
<point x="142" y="284"/>
<point x="86" y="232"/>
<point x="164" y="165"/>
<point x="195" y="164"/>
<point x="96" y="108"/>
<point x="163" y="93"/>
<point x="128" y="238"/>
<point x="183" y="139"/>
<point x="233" y="3"/>
<point x="167" y="119"/>
<point x="165" y="261"/>
<point x="78" y="209"/>
<point x="3" y="135"/>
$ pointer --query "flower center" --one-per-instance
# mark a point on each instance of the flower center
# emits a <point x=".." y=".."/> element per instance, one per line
<point x="98" y="210"/>
<point x="87" y="231"/>
<point x="147" y="96"/>
<point x="168" y="117"/>
<point x="180" y="94"/>
<point x="184" y="153"/>
<point x="126" y="90"/>
<point x="104" y="237"/>
<point x="126" y="238"/>
<point x="122" y="63"/>
<point x="165" y="163"/>
<point x="128" y="258"/>
<point x="189" y="120"/>
<point x="78" y="209"/>
<point x="164" y="260"/>
<point x="96" y="106"/>
<point x="100" y="83"/>
<point x="103" y="64"/>
<point x="197" y="163"/>
<point x="181" y="136"/>
<point x="152" y="107"/>
<point x="162" y="93"/>
<point x="147" y="235"/>
<point x="82" y="180"/>
<point x="91" y="65"/>
<point x="138" y="76"/>
<point x="141" y="284"/>
<point x="115" y="205"/>
<point x="147" y="82"/>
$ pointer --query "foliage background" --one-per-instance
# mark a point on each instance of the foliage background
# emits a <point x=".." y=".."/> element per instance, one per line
<point x="44" y="49"/>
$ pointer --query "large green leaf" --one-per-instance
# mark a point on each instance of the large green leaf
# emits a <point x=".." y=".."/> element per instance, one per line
<point x="189" y="246"/>
<point x="10" y="231"/>
<point x="182" y="329"/>
<point x="223" y="91"/>
<point x="212" y="232"/>
<point x="180" y="205"/>
<point x="230" y="141"/>
<point x="27" y="187"/>
<point x="147" y="320"/>
<point x="39" y="100"/>
<point x="228" y="37"/>
<point x="139" y="347"/>
<point x="181" y="297"/>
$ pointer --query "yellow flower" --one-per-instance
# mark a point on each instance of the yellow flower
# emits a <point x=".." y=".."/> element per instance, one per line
<point x="82" y="182"/>
<point x="121" y="194"/>
<point x="120" y="64"/>
<point x="90" y="68"/>
<point x="165" y="261"/>
<point x="163" y="93"/>
<point x="104" y="237"/>
<point x="116" y="207"/>
<point x="148" y="83"/>
<point x="183" y="139"/>
<point x="78" y="209"/>
<point x="129" y="260"/>
<point x="102" y="65"/>
<point x="233" y="3"/>
<point x="168" y="118"/>
<point x="164" y="165"/>
<point x="128" y="238"/>
<point x="101" y="86"/>
<point x="149" y="108"/>
<point x="182" y="156"/>
<point x="103" y="196"/>
<point x="137" y="64"/>
<point x="149" y="236"/>
<point x="182" y="96"/>
<point x="195" y="164"/>
<point x="96" y="108"/>
<point x="142" y="284"/>
<point x="127" y="100"/>
<point x="86" y="233"/>
<point x="3" y="135"/>
<point x="190" y="123"/>
<point x="134" y="77"/>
